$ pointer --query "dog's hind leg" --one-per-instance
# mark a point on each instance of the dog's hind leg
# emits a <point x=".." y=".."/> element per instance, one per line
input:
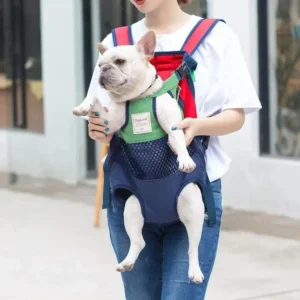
<point x="134" y="222"/>
<point x="191" y="213"/>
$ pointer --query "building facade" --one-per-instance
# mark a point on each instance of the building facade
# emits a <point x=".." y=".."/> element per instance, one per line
<point x="47" y="56"/>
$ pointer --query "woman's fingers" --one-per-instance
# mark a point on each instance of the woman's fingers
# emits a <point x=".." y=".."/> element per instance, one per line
<point x="96" y="135"/>
<point x="96" y="127"/>
<point x="96" y="114"/>
<point x="100" y="137"/>
<point x="98" y="121"/>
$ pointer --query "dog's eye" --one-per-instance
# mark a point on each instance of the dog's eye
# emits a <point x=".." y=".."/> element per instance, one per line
<point x="120" y="61"/>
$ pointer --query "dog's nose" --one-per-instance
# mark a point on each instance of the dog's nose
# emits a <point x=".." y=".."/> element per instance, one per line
<point x="106" y="68"/>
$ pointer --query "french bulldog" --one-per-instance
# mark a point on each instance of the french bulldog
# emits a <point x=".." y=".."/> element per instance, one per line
<point x="127" y="75"/>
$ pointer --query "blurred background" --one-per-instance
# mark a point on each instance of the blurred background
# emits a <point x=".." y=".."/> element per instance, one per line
<point x="48" y="165"/>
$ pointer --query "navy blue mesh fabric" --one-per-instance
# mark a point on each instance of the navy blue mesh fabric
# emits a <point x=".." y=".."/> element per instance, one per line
<point x="150" y="160"/>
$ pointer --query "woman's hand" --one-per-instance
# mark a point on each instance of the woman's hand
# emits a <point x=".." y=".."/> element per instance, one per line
<point x="226" y="122"/>
<point x="98" y="128"/>
<point x="189" y="127"/>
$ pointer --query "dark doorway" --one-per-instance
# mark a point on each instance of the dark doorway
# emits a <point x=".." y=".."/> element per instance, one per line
<point x="21" y="94"/>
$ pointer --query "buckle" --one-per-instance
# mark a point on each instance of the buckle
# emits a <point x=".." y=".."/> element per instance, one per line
<point x="182" y="70"/>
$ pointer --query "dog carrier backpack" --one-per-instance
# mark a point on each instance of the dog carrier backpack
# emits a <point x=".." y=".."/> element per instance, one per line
<point x="146" y="166"/>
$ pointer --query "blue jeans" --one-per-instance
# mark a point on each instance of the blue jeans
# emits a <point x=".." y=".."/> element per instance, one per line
<point x="161" y="271"/>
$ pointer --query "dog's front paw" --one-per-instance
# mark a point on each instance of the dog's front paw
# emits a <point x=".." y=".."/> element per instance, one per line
<point x="196" y="275"/>
<point x="85" y="107"/>
<point x="186" y="163"/>
<point x="82" y="110"/>
<point x="125" y="266"/>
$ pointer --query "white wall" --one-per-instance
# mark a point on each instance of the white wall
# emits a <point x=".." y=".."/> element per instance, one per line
<point x="96" y="21"/>
<point x="254" y="182"/>
<point x="60" y="152"/>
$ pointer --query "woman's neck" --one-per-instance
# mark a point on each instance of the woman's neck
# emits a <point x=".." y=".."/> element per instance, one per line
<point x="167" y="18"/>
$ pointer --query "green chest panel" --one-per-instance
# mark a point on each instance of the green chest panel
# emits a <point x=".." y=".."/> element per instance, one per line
<point x="141" y="123"/>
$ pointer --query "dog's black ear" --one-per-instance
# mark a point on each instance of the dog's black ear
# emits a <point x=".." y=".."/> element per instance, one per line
<point x="101" y="48"/>
<point x="147" y="44"/>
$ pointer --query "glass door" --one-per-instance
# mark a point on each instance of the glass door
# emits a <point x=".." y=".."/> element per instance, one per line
<point x="6" y="83"/>
<point x="21" y="86"/>
<point x="21" y="89"/>
<point x="279" y="52"/>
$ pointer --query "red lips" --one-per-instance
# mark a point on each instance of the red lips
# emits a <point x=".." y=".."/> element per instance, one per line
<point x="140" y="2"/>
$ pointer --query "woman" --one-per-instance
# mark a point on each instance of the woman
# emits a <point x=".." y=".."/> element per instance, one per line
<point x="225" y="93"/>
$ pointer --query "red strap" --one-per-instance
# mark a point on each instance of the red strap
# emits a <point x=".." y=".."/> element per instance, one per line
<point x="122" y="36"/>
<point x="165" y="63"/>
<point x="190" y="109"/>
<point x="198" y="34"/>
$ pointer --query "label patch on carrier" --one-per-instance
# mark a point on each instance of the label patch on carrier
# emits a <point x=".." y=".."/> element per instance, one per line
<point x="141" y="123"/>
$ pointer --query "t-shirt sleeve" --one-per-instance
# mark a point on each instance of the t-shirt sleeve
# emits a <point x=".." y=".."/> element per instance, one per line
<point x="94" y="87"/>
<point x="236" y="82"/>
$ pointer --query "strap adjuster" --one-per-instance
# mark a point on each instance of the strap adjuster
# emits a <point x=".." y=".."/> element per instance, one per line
<point x="182" y="71"/>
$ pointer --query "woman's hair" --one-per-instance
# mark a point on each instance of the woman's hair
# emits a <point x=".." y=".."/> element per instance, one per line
<point x="181" y="2"/>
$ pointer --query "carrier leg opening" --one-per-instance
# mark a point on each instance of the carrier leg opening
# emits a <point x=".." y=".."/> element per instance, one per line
<point x="134" y="222"/>
<point x="190" y="209"/>
<point x="122" y="194"/>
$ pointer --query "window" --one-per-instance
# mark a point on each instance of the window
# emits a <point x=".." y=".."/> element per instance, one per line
<point x="5" y="83"/>
<point x="280" y="77"/>
<point x="21" y="88"/>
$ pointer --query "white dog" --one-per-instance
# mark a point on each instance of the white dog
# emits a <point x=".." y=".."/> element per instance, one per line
<point x="126" y="74"/>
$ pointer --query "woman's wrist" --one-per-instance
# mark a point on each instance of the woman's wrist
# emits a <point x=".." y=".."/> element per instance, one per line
<point x="224" y="123"/>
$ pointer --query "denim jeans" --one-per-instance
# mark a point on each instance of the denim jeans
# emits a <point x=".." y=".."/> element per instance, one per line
<point x="161" y="271"/>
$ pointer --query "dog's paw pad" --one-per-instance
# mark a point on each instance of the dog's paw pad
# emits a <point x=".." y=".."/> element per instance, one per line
<point x="196" y="275"/>
<point x="186" y="164"/>
<point x="77" y="111"/>
<point x="86" y="109"/>
<point x="82" y="110"/>
<point x="125" y="267"/>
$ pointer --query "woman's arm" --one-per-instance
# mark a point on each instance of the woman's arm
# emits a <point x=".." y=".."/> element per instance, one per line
<point x="97" y="125"/>
<point x="236" y="95"/>
<point x="226" y="122"/>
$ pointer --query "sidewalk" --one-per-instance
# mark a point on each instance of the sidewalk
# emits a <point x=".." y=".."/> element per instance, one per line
<point x="50" y="251"/>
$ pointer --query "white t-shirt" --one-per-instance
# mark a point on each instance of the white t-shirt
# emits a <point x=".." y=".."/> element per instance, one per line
<point x="222" y="79"/>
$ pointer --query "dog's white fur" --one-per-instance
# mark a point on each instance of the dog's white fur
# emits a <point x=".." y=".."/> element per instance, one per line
<point x="125" y="72"/>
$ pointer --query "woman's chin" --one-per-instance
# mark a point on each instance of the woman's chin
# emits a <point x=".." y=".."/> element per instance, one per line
<point x="142" y="6"/>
